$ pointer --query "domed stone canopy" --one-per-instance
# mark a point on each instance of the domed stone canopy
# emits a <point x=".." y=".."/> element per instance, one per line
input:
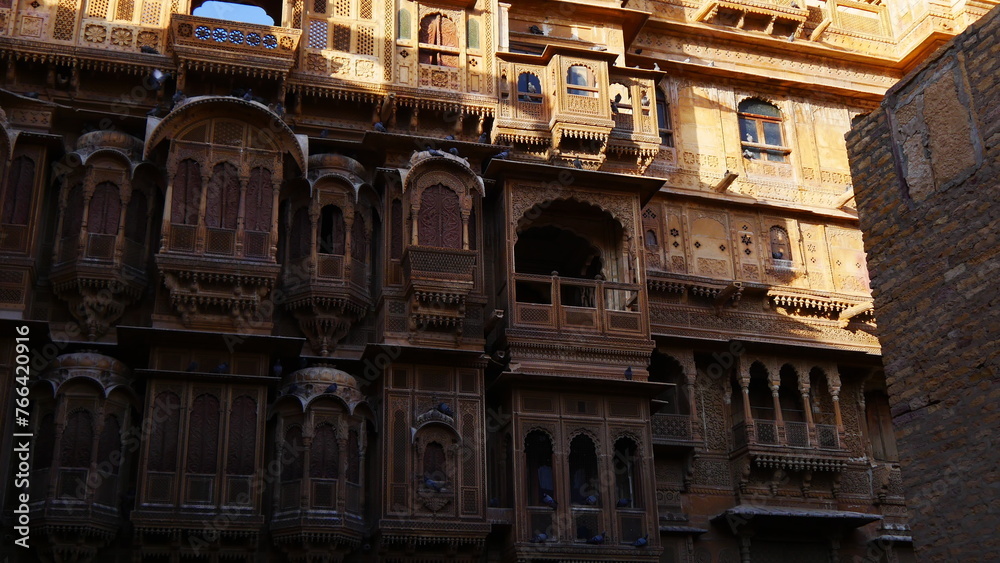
<point x="108" y="372"/>
<point x="313" y="382"/>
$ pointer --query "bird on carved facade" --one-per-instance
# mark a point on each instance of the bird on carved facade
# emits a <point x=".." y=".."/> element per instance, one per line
<point x="248" y="95"/>
<point x="628" y="373"/>
<point x="590" y="500"/>
<point x="615" y="102"/>
<point x="532" y="89"/>
<point x="598" y="539"/>
<point x="453" y="151"/>
<point x="277" y="369"/>
<point x="644" y="100"/>
<point x="503" y="155"/>
<point x="324" y="133"/>
<point x="623" y="502"/>
<point x="641" y="542"/>
<point x="332" y="388"/>
<point x="539" y="538"/>
<point x="32" y="95"/>
<point x="278" y="108"/>
<point x="221" y="368"/>
<point x="157" y="111"/>
<point x="578" y="164"/>
<point x="444" y="409"/>
<point x="484" y="138"/>
<point x="437" y="486"/>
<point x="379" y="127"/>
<point x="157" y="78"/>
<point x="547" y="500"/>
<point x="433" y="151"/>
<point x="656" y="66"/>
<point x="148" y="50"/>
<point x="178" y="97"/>
<point x="536" y="30"/>
<point x="638" y="51"/>
<point x="449" y="138"/>
<point x="747" y="154"/>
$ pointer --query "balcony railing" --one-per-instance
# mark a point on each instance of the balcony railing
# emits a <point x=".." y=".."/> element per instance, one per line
<point x="671" y="427"/>
<point x="789" y="434"/>
<point x="234" y="37"/>
<point x="572" y="304"/>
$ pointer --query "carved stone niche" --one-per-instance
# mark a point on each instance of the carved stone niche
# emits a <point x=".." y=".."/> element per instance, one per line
<point x="100" y="253"/>
<point x="436" y="446"/>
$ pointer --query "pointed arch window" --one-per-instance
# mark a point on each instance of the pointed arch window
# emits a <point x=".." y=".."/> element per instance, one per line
<point x="439" y="222"/>
<point x="203" y="435"/>
<point x="760" y="131"/>
<point x="538" y="459"/>
<point x="166" y="417"/>
<point x="186" y="196"/>
<point x="17" y="193"/>
<point x="583" y="471"/>
<point x="242" y="436"/>
<point x="324" y="460"/>
<point x="105" y="210"/>
<point x="223" y="200"/>
<point x="77" y="440"/>
<point x="259" y="201"/>
<point x="438" y="40"/>
<point x="780" y="249"/>
<point x="626" y="464"/>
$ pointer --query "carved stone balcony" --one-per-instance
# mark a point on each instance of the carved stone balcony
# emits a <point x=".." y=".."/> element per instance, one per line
<point x="780" y="17"/>
<point x="216" y="44"/>
<point x="327" y="294"/>
<point x="791" y="445"/>
<point x="636" y="133"/>
<point x="438" y="281"/>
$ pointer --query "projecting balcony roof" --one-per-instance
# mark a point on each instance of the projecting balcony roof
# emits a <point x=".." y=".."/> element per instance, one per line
<point x="760" y="518"/>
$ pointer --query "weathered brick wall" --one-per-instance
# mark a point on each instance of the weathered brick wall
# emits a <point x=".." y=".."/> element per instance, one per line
<point x="926" y="169"/>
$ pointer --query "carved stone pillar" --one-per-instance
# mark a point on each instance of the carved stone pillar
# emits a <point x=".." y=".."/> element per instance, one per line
<point x="833" y="382"/>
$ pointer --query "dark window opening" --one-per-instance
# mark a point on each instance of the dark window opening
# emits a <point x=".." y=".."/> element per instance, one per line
<point x="331" y="230"/>
<point x="538" y="458"/>
<point x="584" y="483"/>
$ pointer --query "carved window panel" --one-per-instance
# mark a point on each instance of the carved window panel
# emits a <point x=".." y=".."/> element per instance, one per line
<point x="359" y="239"/>
<point x="434" y="464"/>
<point x="17" y="192"/>
<point x="223" y="199"/>
<point x="137" y="217"/>
<point x="324" y="460"/>
<point x="73" y="221"/>
<point x="166" y="417"/>
<point x="440" y="219"/>
<point x="242" y="443"/>
<point x="105" y="210"/>
<point x="299" y="241"/>
<point x="529" y="88"/>
<point x="186" y="193"/>
<point x="439" y="40"/>
<point x="663" y="120"/>
<point x="109" y="443"/>
<point x="331" y="230"/>
<point x="259" y="204"/>
<point x="203" y="435"/>
<point x="77" y="440"/>
<point x="625" y="465"/>
<point x="396" y="245"/>
<point x="353" y="457"/>
<point x="292" y="450"/>
<point x="581" y="81"/>
<point x="780" y="248"/>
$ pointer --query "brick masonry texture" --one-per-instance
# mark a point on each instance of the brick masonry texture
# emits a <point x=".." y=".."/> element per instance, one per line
<point x="926" y="169"/>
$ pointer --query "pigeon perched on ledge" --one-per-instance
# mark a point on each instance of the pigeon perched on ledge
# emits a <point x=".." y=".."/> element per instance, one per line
<point x="547" y="500"/>
<point x="598" y="539"/>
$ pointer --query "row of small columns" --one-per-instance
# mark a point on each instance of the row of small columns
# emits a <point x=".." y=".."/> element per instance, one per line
<point x="802" y="371"/>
